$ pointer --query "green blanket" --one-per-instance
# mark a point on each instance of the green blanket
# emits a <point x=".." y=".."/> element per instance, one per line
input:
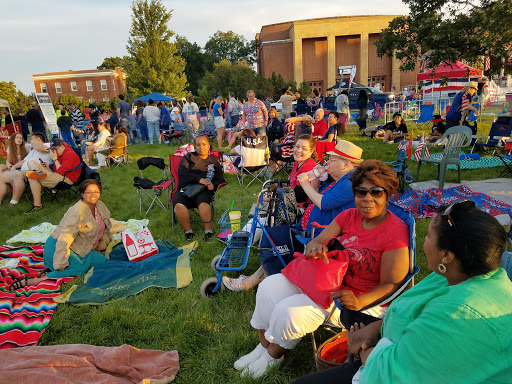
<point x="119" y="277"/>
<point x="484" y="162"/>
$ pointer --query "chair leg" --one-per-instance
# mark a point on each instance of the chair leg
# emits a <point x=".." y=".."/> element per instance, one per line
<point x="442" y="175"/>
<point x="458" y="168"/>
<point x="418" y="171"/>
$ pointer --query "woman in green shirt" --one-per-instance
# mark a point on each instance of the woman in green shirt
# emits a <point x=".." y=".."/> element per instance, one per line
<point x="452" y="327"/>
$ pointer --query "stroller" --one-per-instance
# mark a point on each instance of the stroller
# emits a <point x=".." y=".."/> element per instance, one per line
<point x="273" y="211"/>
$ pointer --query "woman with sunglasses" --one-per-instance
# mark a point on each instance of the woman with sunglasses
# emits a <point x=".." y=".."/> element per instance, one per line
<point x="452" y="327"/>
<point x="76" y="244"/>
<point x="377" y="244"/>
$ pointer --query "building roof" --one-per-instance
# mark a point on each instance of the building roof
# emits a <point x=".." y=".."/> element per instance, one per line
<point x="81" y="73"/>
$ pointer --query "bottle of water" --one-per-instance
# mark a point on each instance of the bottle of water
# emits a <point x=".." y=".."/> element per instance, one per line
<point x="318" y="173"/>
<point x="210" y="173"/>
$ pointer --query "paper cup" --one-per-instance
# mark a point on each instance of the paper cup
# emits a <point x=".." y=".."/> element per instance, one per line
<point x="235" y="217"/>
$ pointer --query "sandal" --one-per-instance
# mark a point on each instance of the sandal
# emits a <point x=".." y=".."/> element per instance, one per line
<point x="43" y="272"/>
<point x="20" y="283"/>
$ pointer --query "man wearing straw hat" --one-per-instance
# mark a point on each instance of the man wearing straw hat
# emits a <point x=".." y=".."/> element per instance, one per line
<point x="461" y="104"/>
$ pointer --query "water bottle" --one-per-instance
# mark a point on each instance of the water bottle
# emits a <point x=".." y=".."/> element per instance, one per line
<point x="210" y="173"/>
<point x="318" y="173"/>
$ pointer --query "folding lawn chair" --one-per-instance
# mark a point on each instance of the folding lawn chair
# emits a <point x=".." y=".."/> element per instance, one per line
<point x="498" y="135"/>
<point x="426" y="115"/>
<point x="252" y="158"/>
<point x="174" y="163"/>
<point x="402" y="172"/>
<point x="209" y="130"/>
<point x="150" y="189"/>
<point x="178" y="133"/>
<point x="507" y="162"/>
<point x="115" y="161"/>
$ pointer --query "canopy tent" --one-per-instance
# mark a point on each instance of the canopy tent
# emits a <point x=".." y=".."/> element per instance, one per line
<point x="5" y="104"/>
<point x="156" y="97"/>
<point x="450" y="70"/>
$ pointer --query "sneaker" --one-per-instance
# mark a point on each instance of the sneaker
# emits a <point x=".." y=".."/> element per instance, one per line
<point x="94" y="167"/>
<point x="261" y="366"/>
<point x="36" y="174"/>
<point x="208" y="236"/>
<point x="189" y="236"/>
<point x="245" y="360"/>
<point x="34" y="208"/>
<point x="235" y="285"/>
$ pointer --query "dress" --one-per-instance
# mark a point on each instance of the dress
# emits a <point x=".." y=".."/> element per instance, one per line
<point x="454" y="334"/>
<point x="287" y="314"/>
<point x="191" y="169"/>
<point x="255" y="117"/>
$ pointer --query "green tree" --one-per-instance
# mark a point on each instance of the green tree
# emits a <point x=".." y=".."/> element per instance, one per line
<point x="196" y="62"/>
<point x="231" y="47"/>
<point x="110" y="63"/>
<point x="304" y="89"/>
<point x="152" y="64"/>
<point x="450" y="30"/>
<point x="67" y="98"/>
<point x="14" y="97"/>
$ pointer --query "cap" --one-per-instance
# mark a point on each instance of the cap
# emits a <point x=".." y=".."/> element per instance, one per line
<point x="437" y="119"/>
<point x="397" y="114"/>
<point x="56" y="142"/>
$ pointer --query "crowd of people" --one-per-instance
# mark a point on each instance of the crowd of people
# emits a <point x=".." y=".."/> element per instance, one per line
<point x="452" y="325"/>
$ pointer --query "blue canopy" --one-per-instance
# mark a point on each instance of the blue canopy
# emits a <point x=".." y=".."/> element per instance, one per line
<point x="156" y="97"/>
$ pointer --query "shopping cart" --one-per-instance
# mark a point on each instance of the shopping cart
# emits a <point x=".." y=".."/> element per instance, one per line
<point x="239" y="239"/>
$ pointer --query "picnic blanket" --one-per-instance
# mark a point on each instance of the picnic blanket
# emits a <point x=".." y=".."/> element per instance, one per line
<point x="80" y="363"/>
<point x="40" y="233"/>
<point x="119" y="277"/>
<point x="483" y="162"/>
<point x="25" y="313"/>
<point x="424" y="203"/>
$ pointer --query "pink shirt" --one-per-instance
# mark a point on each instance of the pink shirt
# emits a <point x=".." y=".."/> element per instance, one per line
<point x="101" y="227"/>
<point x="308" y="165"/>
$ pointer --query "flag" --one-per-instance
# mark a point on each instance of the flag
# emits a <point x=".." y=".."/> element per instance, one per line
<point x="487" y="63"/>
<point x="408" y="150"/>
<point x="424" y="64"/>
<point x="402" y="145"/>
<point x="417" y="153"/>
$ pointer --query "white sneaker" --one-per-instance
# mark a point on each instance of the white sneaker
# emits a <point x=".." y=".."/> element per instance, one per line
<point x="236" y="285"/>
<point x="244" y="361"/>
<point x="261" y="366"/>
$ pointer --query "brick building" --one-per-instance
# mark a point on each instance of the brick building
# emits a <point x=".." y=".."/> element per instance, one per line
<point x="92" y="85"/>
<point x="313" y="50"/>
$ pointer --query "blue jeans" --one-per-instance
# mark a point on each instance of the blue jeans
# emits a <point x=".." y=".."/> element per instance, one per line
<point x="143" y="129"/>
<point x="154" y="129"/>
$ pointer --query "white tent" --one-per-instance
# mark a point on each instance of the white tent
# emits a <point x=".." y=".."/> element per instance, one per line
<point x="5" y="104"/>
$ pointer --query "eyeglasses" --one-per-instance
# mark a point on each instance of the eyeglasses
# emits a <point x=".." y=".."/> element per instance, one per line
<point x="93" y="193"/>
<point x="448" y="210"/>
<point x="374" y="192"/>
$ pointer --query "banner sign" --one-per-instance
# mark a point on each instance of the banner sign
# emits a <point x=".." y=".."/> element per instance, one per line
<point x="45" y="103"/>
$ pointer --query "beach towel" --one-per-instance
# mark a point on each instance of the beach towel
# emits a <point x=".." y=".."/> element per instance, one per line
<point x="81" y="363"/>
<point x="119" y="277"/>
<point x="25" y="313"/>
<point x="424" y="203"/>
<point x="40" y="233"/>
<point x="470" y="163"/>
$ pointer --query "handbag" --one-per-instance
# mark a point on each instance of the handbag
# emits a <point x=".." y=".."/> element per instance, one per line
<point x="192" y="190"/>
<point x="139" y="245"/>
<point x="317" y="279"/>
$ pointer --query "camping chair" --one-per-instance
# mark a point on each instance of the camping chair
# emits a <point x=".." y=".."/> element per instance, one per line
<point x="178" y="133"/>
<point x="115" y="161"/>
<point x="499" y="133"/>
<point x="400" y="167"/>
<point x="151" y="189"/>
<point x="252" y="158"/>
<point x="174" y="163"/>
<point x="349" y="317"/>
<point x="507" y="162"/>
<point x="426" y="116"/>
<point x="453" y="140"/>
<point x="209" y="130"/>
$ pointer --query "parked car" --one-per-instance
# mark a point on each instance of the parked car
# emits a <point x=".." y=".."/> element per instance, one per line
<point x="375" y="95"/>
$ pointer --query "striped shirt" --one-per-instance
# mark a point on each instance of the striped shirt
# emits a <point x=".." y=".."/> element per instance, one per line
<point x="77" y="117"/>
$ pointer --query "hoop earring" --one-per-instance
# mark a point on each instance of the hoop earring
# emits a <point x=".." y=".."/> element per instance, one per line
<point x="441" y="267"/>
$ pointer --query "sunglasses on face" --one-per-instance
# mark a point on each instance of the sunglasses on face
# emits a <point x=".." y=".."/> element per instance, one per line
<point x="445" y="214"/>
<point x="374" y="192"/>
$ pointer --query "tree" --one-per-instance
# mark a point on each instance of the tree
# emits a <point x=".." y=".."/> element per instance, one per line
<point x="152" y="64"/>
<point x="110" y="63"/>
<point x="14" y="97"/>
<point x="67" y="98"/>
<point x="231" y="47"/>
<point x="196" y="62"/>
<point x="450" y="30"/>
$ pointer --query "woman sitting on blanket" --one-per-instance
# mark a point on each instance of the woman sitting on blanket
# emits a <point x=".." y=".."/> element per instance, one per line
<point x="377" y="243"/>
<point x="452" y="327"/>
<point x="75" y="245"/>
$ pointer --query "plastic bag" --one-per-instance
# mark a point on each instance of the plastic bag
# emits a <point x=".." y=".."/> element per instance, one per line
<point x="139" y="245"/>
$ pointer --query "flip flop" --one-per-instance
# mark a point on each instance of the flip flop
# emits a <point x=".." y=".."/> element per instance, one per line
<point x="20" y="283"/>
<point x="43" y="272"/>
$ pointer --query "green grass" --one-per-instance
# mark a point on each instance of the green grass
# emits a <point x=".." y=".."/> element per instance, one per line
<point x="209" y="334"/>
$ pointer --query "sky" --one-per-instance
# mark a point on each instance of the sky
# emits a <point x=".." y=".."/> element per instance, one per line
<point x="40" y="36"/>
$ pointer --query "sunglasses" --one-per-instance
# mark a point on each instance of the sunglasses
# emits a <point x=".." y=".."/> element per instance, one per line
<point x="374" y="192"/>
<point x="445" y="214"/>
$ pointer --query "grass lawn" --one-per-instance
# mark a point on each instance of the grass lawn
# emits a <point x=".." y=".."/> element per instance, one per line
<point x="209" y="334"/>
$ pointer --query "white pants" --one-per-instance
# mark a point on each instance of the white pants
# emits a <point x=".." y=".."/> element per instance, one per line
<point x="287" y="314"/>
<point x="101" y="159"/>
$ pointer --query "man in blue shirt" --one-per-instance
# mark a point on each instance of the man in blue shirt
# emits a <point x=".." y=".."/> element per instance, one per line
<point x="165" y="118"/>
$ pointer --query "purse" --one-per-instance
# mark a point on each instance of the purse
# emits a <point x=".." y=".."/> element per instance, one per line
<point x="192" y="190"/>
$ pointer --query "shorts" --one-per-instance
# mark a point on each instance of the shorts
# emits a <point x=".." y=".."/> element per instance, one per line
<point x="219" y="122"/>
<point x="204" y="196"/>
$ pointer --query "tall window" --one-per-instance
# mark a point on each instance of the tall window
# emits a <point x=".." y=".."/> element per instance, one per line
<point x="103" y="84"/>
<point x="43" y="88"/>
<point x="58" y="88"/>
<point x="88" y="83"/>
<point x="73" y="86"/>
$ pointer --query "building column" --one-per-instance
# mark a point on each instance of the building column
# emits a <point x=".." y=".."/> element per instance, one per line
<point x="395" y="74"/>
<point x="331" y="61"/>
<point x="362" y="71"/>
<point x="298" y="75"/>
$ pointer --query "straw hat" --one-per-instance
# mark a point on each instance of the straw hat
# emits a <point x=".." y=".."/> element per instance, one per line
<point x="347" y="150"/>
<point x="472" y="84"/>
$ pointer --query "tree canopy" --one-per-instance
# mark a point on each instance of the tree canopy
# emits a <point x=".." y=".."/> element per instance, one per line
<point x="450" y="30"/>
<point x="110" y="63"/>
<point x="14" y="97"/>
<point x="196" y="62"/>
<point x="152" y="64"/>
<point x="230" y="46"/>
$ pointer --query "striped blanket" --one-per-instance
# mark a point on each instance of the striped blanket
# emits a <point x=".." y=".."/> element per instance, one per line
<point x="25" y="313"/>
